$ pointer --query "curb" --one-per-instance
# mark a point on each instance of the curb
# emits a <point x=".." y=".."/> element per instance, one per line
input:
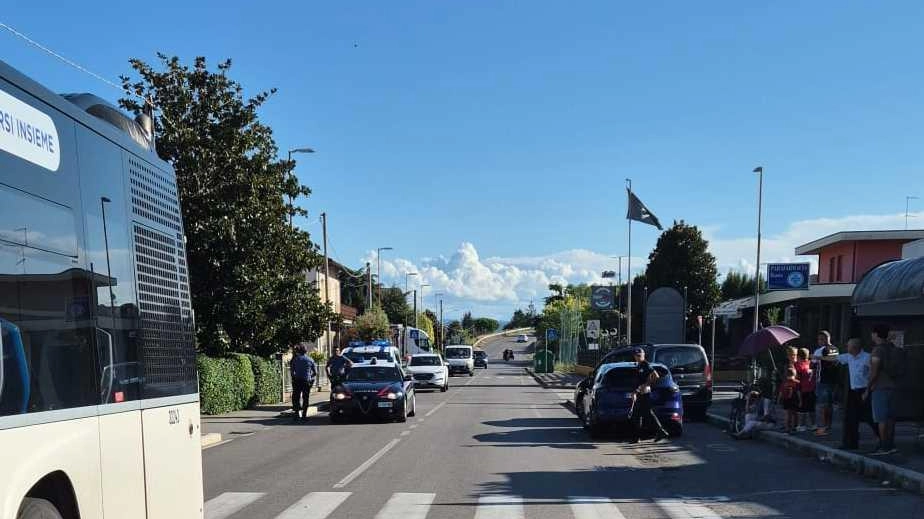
<point x="887" y="473"/>
<point x="544" y="384"/>
<point x="210" y="439"/>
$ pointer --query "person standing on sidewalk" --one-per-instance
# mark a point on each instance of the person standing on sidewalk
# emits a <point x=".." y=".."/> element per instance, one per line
<point x="807" y="389"/>
<point x="882" y="389"/>
<point x="857" y="409"/>
<point x="303" y="371"/>
<point x="337" y="367"/>
<point x="646" y="376"/>
<point x="825" y="381"/>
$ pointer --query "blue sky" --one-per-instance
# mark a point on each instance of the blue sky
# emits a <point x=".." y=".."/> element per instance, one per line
<point x="487" y="142"/>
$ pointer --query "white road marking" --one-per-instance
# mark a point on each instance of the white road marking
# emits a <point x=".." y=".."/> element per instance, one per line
<point x="594" y="508"/>
<point x="500" y="507"/>
<point x="535" y="411"/>
<point x="229" y="503"/>
<point x="405" y="433"/>
<point x="407" y="505"/>
<point x="435" y="409"/>
<point x="316" y="505"/>
<point x="216" y="444"/>
<point x="678" y="509"/>
<point x="413" y="426"/>
<point x="366" y="464"/>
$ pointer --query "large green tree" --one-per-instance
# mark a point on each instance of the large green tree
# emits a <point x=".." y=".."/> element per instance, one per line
<point x="371" y="325"/>
<point x="483" y="325"/>
<point x="738" y="284"/>
<point x="394" y="302"/>
<point x="246" y="264"/>
<point x="681" y="259"/>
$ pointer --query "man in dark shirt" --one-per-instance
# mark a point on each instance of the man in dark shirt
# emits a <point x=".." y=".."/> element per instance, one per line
<point x="337" y="367"/>
<point x="645" y="377"/>
<point x="303" y="371"/>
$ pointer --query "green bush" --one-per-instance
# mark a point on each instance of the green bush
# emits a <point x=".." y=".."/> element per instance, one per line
<point x="225" y="383"/>
<point x="266" y="380"/>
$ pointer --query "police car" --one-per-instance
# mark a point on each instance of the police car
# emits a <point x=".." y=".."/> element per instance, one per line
<point x="382" y="351"/>
<point x="376" y="389"/>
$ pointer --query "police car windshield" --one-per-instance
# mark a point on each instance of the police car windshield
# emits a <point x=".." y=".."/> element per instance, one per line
<point x="425" y="361"/>
<point x="374" y="374"/>
<point x="458" y="353"/>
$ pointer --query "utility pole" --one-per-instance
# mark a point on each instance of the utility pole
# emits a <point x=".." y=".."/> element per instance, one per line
<point x="378" y="270"/>
<point x="442" y="331"/>
<point x="326" y="283"/>
<point x="369" y="285"/>
<point x="415" y="308"/>
<point x="760" y="202"/>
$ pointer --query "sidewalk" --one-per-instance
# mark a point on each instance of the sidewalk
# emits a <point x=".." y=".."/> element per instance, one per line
<point x="555" y="380"/>
<point x="225" y="427"/>
<point x="904" y="469"/>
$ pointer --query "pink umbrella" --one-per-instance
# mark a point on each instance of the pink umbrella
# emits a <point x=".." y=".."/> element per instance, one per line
<point x="765" y="338"/>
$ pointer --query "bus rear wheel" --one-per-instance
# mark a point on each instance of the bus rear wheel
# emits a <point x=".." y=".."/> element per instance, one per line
<point x="33" y="508"/>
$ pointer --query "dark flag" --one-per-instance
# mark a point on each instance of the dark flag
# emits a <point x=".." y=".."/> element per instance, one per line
<point x="640" y="213"/>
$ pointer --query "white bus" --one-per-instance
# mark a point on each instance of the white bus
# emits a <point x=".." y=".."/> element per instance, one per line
<point x="99" y="407"/>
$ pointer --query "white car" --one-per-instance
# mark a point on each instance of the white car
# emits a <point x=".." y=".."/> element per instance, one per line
<point x="461" y="359"/>
<point x="429" y="370"/>
<point x="522" y="338"/>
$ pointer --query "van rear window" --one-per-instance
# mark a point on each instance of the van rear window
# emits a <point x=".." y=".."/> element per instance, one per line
<point x="682" y="359"/>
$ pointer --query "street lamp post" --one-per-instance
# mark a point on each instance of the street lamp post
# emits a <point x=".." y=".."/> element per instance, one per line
<point x="378" y="269"/>
<point x="760" y="201"/>
<point x="908" y="200"/>
<point x="407" y="275"/>
<point x="296" y="150"/>
<point x="421" y="302"/>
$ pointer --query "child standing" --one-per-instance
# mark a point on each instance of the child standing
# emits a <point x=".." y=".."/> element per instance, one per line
<point x="806" y="378"/>
<point x="791" y="399"/>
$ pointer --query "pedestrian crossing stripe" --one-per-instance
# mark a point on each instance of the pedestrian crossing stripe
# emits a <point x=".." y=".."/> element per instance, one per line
<point x="417" y="505"/>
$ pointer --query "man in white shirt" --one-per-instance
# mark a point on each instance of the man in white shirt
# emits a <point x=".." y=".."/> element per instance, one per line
<point x="857" y="409"/>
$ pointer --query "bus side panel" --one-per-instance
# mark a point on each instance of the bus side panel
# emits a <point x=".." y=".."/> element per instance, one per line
<point x="32" y="452"/>
<point x="122" y="462"/>
<point x="173" y="461"/>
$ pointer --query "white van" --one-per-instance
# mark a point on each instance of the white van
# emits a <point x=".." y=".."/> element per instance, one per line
<point x="461" y="359"/>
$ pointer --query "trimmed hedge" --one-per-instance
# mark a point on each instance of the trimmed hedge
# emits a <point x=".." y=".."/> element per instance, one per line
<point x="225" y="383"/>
<point x="266" y="380"/>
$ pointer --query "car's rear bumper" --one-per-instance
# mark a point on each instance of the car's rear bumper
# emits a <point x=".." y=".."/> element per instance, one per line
<point x="460" y="368"/>
<point x="433" y="382"/>
<point x="696" y="398"/>
<point x="481" y="364"/>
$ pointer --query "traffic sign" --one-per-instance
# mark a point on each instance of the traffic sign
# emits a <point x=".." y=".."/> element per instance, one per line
<point x="593" y="329"/>
<point x="601" y="297"/>
<point x="551" y="334"/>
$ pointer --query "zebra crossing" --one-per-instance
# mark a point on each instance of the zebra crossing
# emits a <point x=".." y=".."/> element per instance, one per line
<point x="418" y="505"/>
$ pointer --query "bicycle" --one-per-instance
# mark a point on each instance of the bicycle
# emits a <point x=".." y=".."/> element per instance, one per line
<point x="736" y="417"/>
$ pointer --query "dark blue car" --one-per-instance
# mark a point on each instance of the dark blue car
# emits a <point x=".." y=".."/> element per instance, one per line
<point x="609" y="399"/>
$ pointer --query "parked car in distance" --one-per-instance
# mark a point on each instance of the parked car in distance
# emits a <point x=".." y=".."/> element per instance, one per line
<point x="522" y="338"/>
<point x="461" y="359"/>
<point x="689" y="367"/>
<point x="375" y="390"/>
<point x="429" y="370"/>
<point x="481" y="359"/>
<point x="609" y="398"/>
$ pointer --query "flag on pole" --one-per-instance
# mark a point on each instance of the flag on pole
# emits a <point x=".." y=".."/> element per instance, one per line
<point x="640" y="213"/>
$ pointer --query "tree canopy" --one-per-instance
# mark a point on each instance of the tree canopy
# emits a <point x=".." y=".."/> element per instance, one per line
<point x="738" y="284"/>
<point x="394" y="302"/>
<point x="681" y="259"/>
<point x="371" y="325"/>
<point x="247" y="265"/>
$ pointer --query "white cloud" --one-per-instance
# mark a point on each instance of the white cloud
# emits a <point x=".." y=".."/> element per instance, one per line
<point x="493" y="286"/>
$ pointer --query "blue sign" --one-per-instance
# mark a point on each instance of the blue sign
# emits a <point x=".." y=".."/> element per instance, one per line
<point x="415" y="334"/>
<point x="551" y="334"/>
<point x="788" y="276"/>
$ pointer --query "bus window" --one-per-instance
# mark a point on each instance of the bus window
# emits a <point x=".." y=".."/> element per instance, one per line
<point x="44" y="314"/>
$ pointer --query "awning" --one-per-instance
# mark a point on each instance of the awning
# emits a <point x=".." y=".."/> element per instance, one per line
<point x="892" y="289"/>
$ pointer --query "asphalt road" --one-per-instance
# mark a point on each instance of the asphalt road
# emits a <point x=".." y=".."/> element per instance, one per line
<point x="497" y="445"/>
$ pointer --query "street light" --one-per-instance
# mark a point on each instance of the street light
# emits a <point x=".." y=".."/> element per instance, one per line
<point x="296" y="150"/>
<point x="406" y="291"/>
<point x="378" y="269"/>
<point x="421" y="302"/>
<point x="760" y="201"/>
<point x="908" y="200"/>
